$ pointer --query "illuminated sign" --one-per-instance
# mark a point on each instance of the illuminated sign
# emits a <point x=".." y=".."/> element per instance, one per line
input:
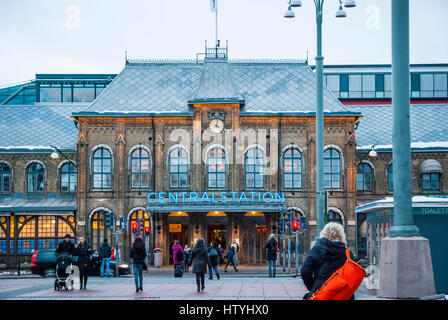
<point x="218" y="197"/>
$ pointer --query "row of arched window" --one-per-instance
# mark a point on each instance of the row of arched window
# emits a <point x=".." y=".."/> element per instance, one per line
<point x="35" y="177"/>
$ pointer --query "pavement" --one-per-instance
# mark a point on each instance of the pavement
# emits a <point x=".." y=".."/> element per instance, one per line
<point x="250" y="283"/>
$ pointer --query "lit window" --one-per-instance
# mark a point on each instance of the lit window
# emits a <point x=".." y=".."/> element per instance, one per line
<point x="98" y="230"/>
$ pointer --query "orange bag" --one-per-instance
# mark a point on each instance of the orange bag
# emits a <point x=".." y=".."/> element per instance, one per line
<point x="343" y="282"/>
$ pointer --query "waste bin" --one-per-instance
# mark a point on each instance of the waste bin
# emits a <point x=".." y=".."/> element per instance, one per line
<point x="158" y="257"/>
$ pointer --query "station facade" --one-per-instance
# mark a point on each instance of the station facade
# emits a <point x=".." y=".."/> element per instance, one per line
<point x="216" y="149"/>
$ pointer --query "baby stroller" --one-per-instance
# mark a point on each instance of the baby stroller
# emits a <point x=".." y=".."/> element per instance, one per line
<point x="64" y="273"/>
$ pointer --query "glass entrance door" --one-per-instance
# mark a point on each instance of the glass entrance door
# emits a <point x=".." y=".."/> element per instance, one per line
<point x="217" y="232"/>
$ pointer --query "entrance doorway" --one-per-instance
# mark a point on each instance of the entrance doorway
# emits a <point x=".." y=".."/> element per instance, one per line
<point x="177" y="230"/>
<point x="255" y="237"/>
<point x="217" y="228"/>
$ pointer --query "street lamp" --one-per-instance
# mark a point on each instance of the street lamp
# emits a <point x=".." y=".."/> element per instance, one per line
<point x="320" y="193"/>
<point x="55" y="155"/>
<point x="372" y="152"/>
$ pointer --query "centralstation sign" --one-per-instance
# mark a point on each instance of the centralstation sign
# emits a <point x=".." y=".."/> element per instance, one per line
<point x="223" y="197"/>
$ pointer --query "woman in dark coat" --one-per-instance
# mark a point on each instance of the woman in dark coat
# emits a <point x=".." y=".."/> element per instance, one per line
<point x="138" y="255"/>
<point x="327" y="256"/>
<point x="213" y="256"/>
<point x="199" y="259"/>
<point x="83" y="251"/>
<point x="271" y="255"/>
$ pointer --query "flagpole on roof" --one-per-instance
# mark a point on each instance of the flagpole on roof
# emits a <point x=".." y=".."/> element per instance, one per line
<point x="214" y="8"/>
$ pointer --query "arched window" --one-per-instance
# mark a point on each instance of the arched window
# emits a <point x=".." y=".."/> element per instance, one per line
<point x="364" y="177"/>
<point x="292" y="169"/>
<point x="216" y="168"/>
<point x="136" y="217"/>
<point x="334" y="216"/>
<point x="5" y="178"/>
<point x="254" y="164"/>
<point x="98" y="230"/>
<point x="36" y="178"/>
<point x="332" y="168"/>
<point x="178" y="167"/>
<point x="68" y="177"/>
<point x="390" y="171"/>
<point x="430" y="171"/>
<point x="102" y="169"/>
<point x="140" y="165"/>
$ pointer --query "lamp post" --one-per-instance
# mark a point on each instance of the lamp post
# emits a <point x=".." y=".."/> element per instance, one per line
<point x="320" y="193"/>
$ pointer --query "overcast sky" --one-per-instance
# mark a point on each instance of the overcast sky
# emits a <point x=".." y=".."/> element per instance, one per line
<point x="91" y="36"/>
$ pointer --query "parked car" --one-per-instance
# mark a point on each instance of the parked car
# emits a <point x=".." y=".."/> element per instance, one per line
<point x="43" y="262"/>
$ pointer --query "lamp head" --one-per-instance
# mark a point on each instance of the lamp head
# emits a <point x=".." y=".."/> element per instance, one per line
<point x="289" y="13"/>
<point x="341" y="13"/>
<point x="350" y="3"/>
<point x="295" y="3"/>
<point x="54" y="155"/>
<point x="372" y="152"/>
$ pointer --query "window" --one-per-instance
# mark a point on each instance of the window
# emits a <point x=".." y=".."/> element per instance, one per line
<point x="98" y="89"/>
<point x="387" y="85"/>
<point x="178" y="167"/>
<point x="430" y="181"/>
<point x="292" y="169"/>
<point x="5" y="178"/>
<point x="332" y="168"/>
<point x="333" y="84"/>
<point x="379" y="86"/>
<point x="368" y="85"/>
<point x="355" y="86"/>
<point x="98" y="230"/>
<point x="50" y="93"/>
<point x="254" y="164"/>
<point x="440" y="86"/>
<point x="415" y="85"/>
<point x="66" y="93"/>
<point x="140" y="164"/>
<point x="364" y="177"/>
<point x="102" y="169"/>
<point x="427" y="85"/>
<point x="334" y="216"/>
<point x="391" y="177"/>
<point x="343" y="85"/>
<point x="68" y="177"/>
<point x="216" y="168"/>
<point x="83" y="93"/>
<point x="36" y="174"/>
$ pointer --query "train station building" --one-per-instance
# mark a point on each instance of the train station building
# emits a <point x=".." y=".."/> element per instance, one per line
<point x="210" y="148"/>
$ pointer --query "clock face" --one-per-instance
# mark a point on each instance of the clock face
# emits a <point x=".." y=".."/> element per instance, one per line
<point x="216" y="126"/>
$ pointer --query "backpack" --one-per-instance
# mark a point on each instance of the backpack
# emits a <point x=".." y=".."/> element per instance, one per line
<point x="212" y="253"/>
<point x="343" y="283"/>
<point x="179" y="256"/>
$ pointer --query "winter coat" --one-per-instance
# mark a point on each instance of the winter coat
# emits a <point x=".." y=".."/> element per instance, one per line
<point x="138" y="256"/>
<point x="199" y="260"/>
<point x="83" y="252"/>
<point x="65" y="247"/>
<point x="176" y="249"/>
<point x="321" y="262"/>
<point x="213" y="260"/>
<point x="187" y="254"/>
<point x="271" y="252"/>
<point x="230" y="254"/>
<point x="105" y="250"/>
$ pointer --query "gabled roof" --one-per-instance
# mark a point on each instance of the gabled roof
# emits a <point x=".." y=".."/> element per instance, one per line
<point x="171" y="87"/>
<point x="429" y="127"/>
<point x="35" y="128"/>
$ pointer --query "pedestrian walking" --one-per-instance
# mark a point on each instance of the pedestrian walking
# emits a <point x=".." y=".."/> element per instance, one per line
<point x="83" y="251"/>
<point x="327" y="256"/>
<point x="221" y="254"/>
<point x="138" y="255"/>
<point x="105" y="252"/>
<point x="229" y="256"/>
<point x="178" y="259"/>
<point x="187" y="254"/>
<point x="236" y="249"/>
<point x="65" y="246"/>
<point x="213" y="256"/>
<point x="271" y="255"/>
<point x="199" y="260"/>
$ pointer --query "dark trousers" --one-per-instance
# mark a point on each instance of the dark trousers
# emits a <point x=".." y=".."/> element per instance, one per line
<point x="230" y="261"/>
<point x="200" y="280"/>
<point x="82" y="275"/>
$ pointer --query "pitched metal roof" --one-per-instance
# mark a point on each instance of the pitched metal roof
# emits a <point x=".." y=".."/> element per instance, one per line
<point x="35" y="128"/>
<point x="38" y="206"/>
<point x="171" y="87"/>
<point x="429" y="126"/>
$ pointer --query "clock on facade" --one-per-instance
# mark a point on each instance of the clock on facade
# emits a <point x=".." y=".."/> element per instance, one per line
<point x="216" y="126"/>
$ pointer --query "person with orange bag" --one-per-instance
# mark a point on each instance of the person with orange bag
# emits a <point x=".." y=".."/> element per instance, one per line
<point x="327" y="256"/>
